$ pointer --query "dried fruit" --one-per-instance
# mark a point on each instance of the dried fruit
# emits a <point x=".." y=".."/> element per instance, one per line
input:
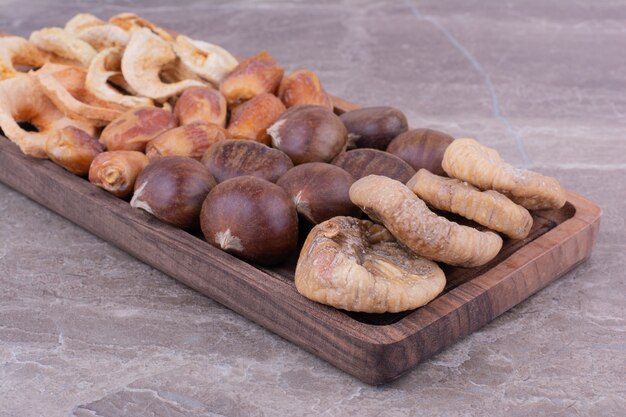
<point x="309" y="134"/>
<point x="117" y="171"/>
<point x="252" y="219"/>
<point x="73" y="149"/>
<point x="16" y="52"/>
<point x="357" y="265"/>
<point x="468" y="160"/>
<point x="130" y="22"/>
<point x="236" y="158"/>
<point x="63" y="44"/>
<point x="253" y="76"/>
<point x="173" y="189"/>
<point x="191" y="140"/>
<point x="251" y="119"/>
<point x="408" y="219"/>
<point x="201" y="104"/>
<point x="363" y="162"/>
<point x="303" y="87"/>
<point x="489" y="208"/>
<point x="135" y="128"/>
<point x="421" y="148"/>
<point x="373" y="127"/>
<point x="209" y="61"/>
<point x="319" y="191"/>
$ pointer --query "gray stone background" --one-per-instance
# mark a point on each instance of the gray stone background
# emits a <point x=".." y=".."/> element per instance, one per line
<point x="86" y="330"/>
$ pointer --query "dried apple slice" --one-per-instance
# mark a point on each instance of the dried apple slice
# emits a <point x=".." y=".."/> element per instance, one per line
<point x="15" y="51"/>
<point x="207" y="60"/>
<point x="67" y="46"/>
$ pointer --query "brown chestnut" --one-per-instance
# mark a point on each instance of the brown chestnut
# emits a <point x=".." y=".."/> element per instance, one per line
<point x="309" y="133"/>
<point x="173" y="189"/>
<point x="319" y="191"/>
<point x="363" y="162"/>
<point x="252" y="219"/>
<point x="422" y="148"/>
<point x="373" y="127"/>
<point x="201" y="104"/>
<point x="236" y="158"/>
<point x="73" y="149"/>
<point x="190" y="140"/>
<point x="134" y="129"/>
<point x="251" y="119"/>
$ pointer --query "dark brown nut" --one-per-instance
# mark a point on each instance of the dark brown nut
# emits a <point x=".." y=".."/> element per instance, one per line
<point x="251" y="119"/>
<point x="236" y="158"/>
<point x="309" y="134"/>
<point x="73" y="149"/>
<point x="373" y="127"/>
<point x="253" y="76"/>
<point x="117" y="171"/>
<point x="191" y="140"/>
<point x="319" y="191"/>
<point x="251" y="218"/>
<point x="421" y="148"/>
<point x="363" y="162"/>
<point x="201" y="104"/>
<point x="135" y="128"/>
<point x="173" y="189"/>
<point x="303" y="87"/>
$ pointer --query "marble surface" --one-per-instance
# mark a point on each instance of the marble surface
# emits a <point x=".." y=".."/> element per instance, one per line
<point x="86" y="330"/>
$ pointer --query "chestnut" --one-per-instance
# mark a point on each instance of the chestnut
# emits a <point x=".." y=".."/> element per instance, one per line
<point x="319" y="191"/>
<point x="251" y="119"/>
<point x="309" y="133"/>
<point x="235" y="158"/>
<point x="373" y="127"/>
<point x="251" y="218"/>
<point x="422" y="148"/>
<point x="73" y="149"/>
<point x="190" y="140"/>
<point x="363" y="162"/>
<point x="132" y="130"/>
<point x="173" y="189"/>
<point x="201" y="104"/>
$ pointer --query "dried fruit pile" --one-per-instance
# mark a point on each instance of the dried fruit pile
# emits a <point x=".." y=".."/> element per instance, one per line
<point x="252" y="157"/>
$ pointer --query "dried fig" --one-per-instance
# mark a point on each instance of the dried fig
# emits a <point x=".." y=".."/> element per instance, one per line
<point x="201" y="104"/>
<point x="73" y="149"/>
<point x="303" y="87"/>
<point x="251" y="119"/>
<point x="135" y="128"/>
<point x="319" y="191"/>
<point x="190" y="140"/>
<point x="253" y="76"/>
<point x="236" y="158"/>
<point x="373" y="127"/>
<point x="363" y="162"/>
<point x="421" y="148"/>
<point x="252" y="219"/>
<point x="117" y="171"/>
<point x="309" y="134"/>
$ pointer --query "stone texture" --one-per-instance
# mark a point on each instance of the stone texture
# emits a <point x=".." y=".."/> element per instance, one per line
<point x="86" y="330"/>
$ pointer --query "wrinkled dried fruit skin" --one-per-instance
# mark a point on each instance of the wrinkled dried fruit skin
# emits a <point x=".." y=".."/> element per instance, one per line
<point x="356" y="265"/>
<point x="253" y="76"/>
<point x="468" y="160"/>
<point x="363" y="162"/>
<point x="191" y="140"/>
<point x="236" y="158"/>
<point x="173" y="189"/>
<point x="319" y="191"/>
<point x="251" y="218"/>
<point x="73" y="149"/>
<point x="309" y="134"/>
<point x="135" y="128"/>
<point x="489" y="208"/>
<point x="303" y="87"/>
<point x="408" y="219"/>
<point x="421" y="148"/>
<point x="251" y="119"/>
<point x="117" y="171"/>
<point x="373" y="127"/>
<point x="201" y="104"/>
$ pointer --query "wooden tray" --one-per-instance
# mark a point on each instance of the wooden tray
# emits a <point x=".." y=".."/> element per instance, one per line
<point x="374" y="348"/>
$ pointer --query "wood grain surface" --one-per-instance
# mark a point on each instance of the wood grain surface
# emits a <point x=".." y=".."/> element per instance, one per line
<point x="373" y="348"/>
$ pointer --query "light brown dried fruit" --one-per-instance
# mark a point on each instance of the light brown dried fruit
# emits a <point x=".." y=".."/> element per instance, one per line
<point x="251" y="119"/>
<point x="117" y="171"/>
<point x="253" y="76"/>
<point x="73" y="149"/>
<point x="104" y="36"/>
<point x="207" y="60"/>
<point x="135" y="128"/>
<point x="303" y="87"/>
<point x="357" y="265"/>
<point x="363" y="162"/>
<point x="82" y="21"/>
<point x="59" y="42"/>
<point x="144" y="58"/>
<point x="130" y="22"/>
<point x="191" y="140"/>
<point x="468" y="160"/>
<point x="201" y="104"/>
<point x="406" y="216"/>
<point x="489" y="208"/>
<point x="16" y="51"/>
